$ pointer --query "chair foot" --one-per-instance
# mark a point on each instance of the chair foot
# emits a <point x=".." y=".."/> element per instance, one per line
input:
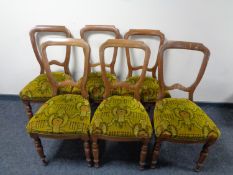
<point x="197" y="169"/>
<point x="95" y="151"/>
<point x="45" y="162"/>
<point x="153" y="165"/>
<point x="155" y="155"/>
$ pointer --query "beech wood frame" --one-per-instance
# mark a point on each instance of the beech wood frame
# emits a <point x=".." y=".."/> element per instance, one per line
<point x="165" y="137"/>
<point x="108" y="87"/>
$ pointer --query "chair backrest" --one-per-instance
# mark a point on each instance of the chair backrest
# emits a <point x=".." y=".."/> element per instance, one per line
<point x="121" y="84"/>
<point x="101" y="28"/>
<point x="143" y="32"/>
<point x="50" y="29"/>
<point x="187" y="46"/>
<point x="66" y="42"/>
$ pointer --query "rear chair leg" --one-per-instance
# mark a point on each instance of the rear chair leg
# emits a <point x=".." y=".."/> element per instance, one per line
<point x="39" y="149"/>
<point x="155" y="155"/>
<point x="28" y="109"/>
<point x="95" y="151"/>
<point x="143" y="154"/>
<point x="87" y="152"/>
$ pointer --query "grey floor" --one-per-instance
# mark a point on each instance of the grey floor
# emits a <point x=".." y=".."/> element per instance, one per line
<point x="18" y="156"/>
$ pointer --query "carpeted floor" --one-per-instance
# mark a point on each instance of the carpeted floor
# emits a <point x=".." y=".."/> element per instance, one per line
<point x="18" y="156"/>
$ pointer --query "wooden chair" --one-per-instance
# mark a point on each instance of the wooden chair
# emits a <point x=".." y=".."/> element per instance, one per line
<point x="180" y="120"/>
<point x="65" y="116"/>
<point x="150" y="87"/>
<point x="121" y="118"/>
<point x="95" y="83"/>
<point x="39" y="89"/>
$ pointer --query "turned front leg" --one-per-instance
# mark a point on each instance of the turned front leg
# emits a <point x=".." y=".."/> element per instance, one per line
<point x="143" y="154"/>
<point x="95" y="152"/>
<point x="156" y="152"/>
<point x="87" y="152"/>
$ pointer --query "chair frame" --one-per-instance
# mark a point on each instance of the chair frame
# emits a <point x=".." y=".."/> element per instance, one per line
<point x="143" y="32"/>
<point x="44" y="29"/>
<point x="36" y="137"/>
<point x="165" y="137"/>
<point x="109" y="87"/>
<point x="101" y="28"/>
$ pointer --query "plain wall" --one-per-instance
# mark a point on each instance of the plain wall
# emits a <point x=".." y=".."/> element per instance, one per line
<point x="208" y="21"/>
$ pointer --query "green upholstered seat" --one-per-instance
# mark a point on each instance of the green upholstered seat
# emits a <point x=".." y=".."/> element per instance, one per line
<point x="95" y="85"/>
<point x="40" y="89"/>
<point x="148" y="91"/>
<point x="182" y="119"/>
<point x="121" y="116"/>
<point x="62" y="114"/>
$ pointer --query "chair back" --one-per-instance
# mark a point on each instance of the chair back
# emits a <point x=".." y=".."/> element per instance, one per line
<point x="187" y="46"/>
<point x="101" y="28"/>
<point x="121" y="84"/>
<point x="143" y="32"/>
<point x="49" y="29"/>
<point x="66" y="42"/>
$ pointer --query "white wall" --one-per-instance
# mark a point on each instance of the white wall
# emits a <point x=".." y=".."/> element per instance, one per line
<point x="208" y="21"/>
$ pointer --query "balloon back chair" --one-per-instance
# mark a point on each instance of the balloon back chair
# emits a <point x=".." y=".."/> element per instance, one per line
<point x="95" y="83"/>
<point x="180" y="120"/>
<point x="65" y="116"/>
<point x="121" y="118"/>
<point x="150" y="87"/>
<point x="39" y="89"/>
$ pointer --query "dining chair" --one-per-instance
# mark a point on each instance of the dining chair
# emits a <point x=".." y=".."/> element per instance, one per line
<point x="64" y="116"/>
<point x="39" y="89"/>
<point x="121" y="118"/>
<point x="95" y="83"/>
<point x="180" y="120"/>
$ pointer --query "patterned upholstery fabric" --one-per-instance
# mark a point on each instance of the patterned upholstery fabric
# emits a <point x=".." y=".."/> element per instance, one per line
<point x="40" y="88"/>
<point x="62" y="114"/>
<point x="121" y="116"/>
<point x="95" y="85"/>
<point x="183" y="120"/>
<point x="148" y="91"/>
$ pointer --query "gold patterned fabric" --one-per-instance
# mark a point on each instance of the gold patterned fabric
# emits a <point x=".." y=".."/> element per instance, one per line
<point x="95" y="85"/>
<point x="121" y="116"/>
<point x="40" y="88"/>
<point x="62" y="114"/>
<point x="183" y="120"/>
<point x="148" y="92"/>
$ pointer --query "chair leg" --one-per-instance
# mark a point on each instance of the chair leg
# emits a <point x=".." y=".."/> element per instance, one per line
<point x="87" y="152"/>
<point x="155" y="155"/>
<point x="28" y="109"/>
<point x="39" y="149"/>
<point x="203" y="154"/>
<point x="95" y="152"/>
<point x="143" y="154"/>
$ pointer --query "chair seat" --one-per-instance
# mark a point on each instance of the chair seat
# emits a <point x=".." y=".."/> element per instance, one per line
<point x="95" y="85"/>
<point x="40" y="89"/>
<point x="183" y="120"/>
<point x="62" y="114"/>
<point x="148" y="91"/>
<point x="121" y="116"/>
